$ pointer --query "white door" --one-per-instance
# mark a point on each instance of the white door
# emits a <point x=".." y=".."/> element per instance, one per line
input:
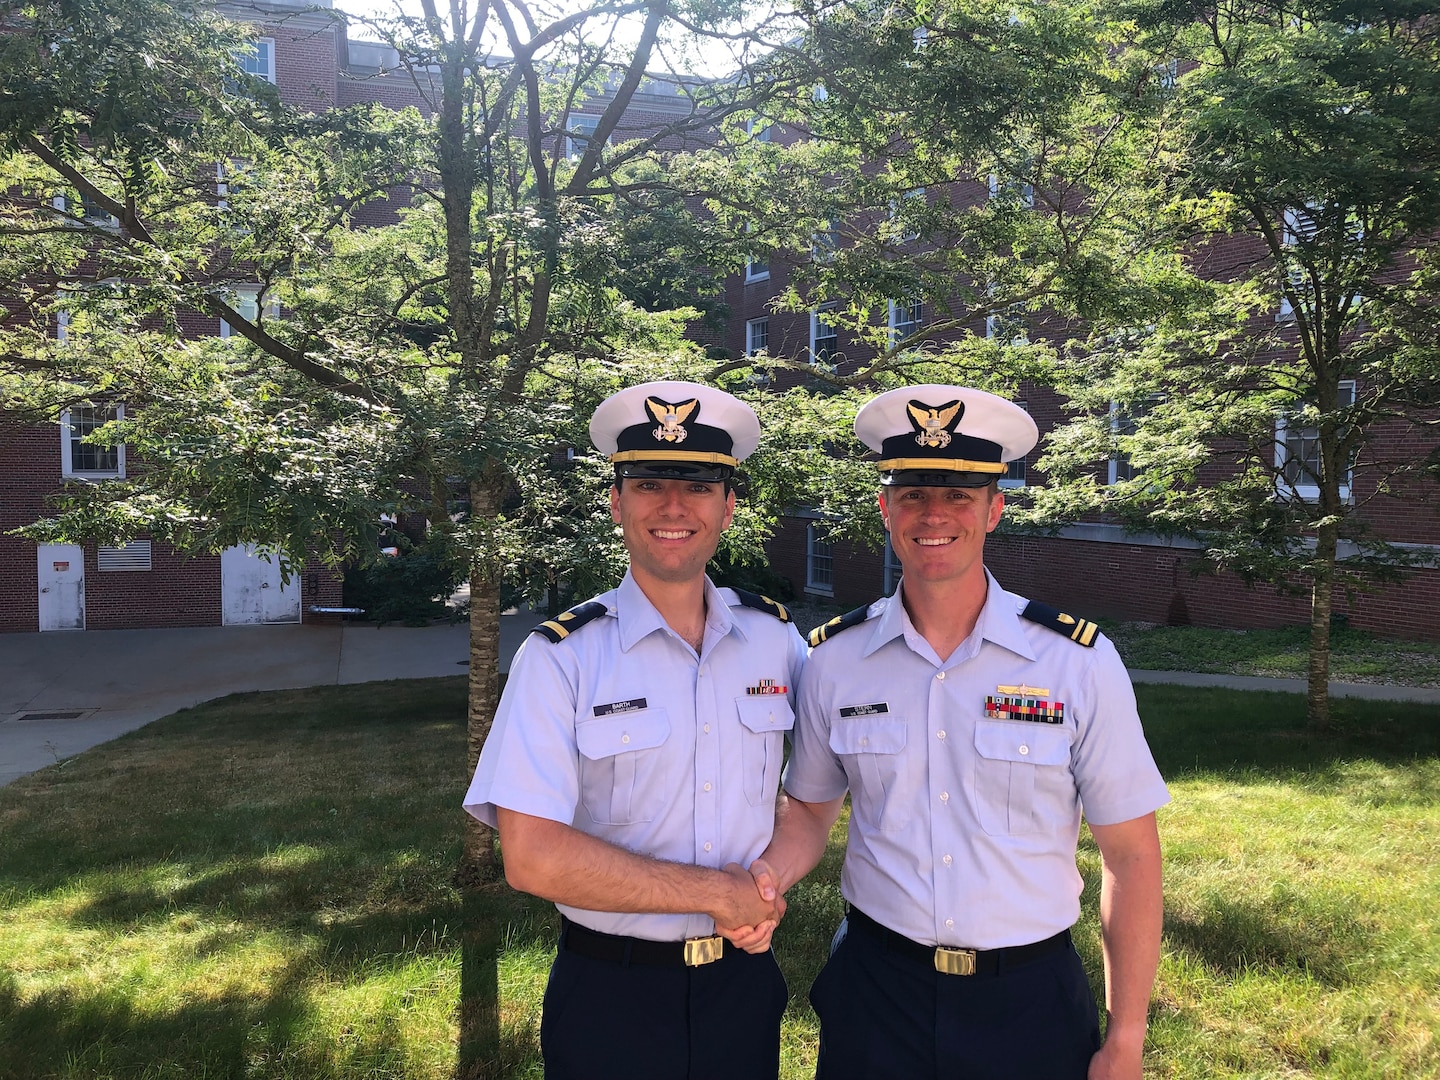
<point x="251" y="591"/>
<point x="62" y="586"/>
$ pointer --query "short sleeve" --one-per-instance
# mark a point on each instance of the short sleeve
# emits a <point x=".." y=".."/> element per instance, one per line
<point x="1115" y="772"/>
<point x="814" y="773"/>
<point x="529" y="761"/>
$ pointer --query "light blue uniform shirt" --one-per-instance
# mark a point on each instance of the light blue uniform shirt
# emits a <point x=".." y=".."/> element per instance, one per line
<point x="623" y="732"/>
<point x="963" y="828"/>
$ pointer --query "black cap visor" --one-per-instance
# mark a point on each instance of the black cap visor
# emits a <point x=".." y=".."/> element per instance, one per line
<point x="936" y="478"/>
<point x="674" y="470"/>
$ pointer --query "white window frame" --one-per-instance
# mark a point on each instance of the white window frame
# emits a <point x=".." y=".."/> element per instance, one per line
<point x="915" y="312"/>
<point x="817" y="320"/>
<point x="67" y="434"/>
<point x="897" y="207"/>
<point x="1014" y="475"/>
<point x="757" y="335"/>
<point x="246" y="301"/>
<point x="994" y="324"/>
<point x="1308" y="492"/>
<point x="249" y="61"/>
<point x="579" y="135"/>
<point x="892" y="568"/>
<point x="825" y="242"/>
<point x="1122" y="423"/>
<point x="100" y="219"/>
<point x="1298" y="225"/>
<point x="1026" y="190"/>
<point x="819" y="562"/>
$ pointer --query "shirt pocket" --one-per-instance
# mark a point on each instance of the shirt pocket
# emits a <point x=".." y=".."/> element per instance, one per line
<point x="872" y="753"/>
<point x="621" y="771"/>
<point x="1007" y="757"/>
<point x="764" y="719"/>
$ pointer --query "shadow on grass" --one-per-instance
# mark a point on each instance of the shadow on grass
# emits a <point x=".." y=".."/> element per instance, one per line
<point x="1232" y="937"/>
<point x="325" y="824"/>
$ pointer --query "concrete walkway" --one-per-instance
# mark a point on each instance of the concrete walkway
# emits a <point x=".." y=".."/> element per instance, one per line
<point x="62" y="693"/>
<point x="1372" y="691"/>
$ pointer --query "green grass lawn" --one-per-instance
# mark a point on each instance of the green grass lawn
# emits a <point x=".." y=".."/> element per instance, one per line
<point x="1355" y="656"/>
<point x="264" y="887"/>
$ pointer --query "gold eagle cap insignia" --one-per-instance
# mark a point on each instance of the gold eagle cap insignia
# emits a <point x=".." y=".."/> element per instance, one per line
<point x="671" y="418"/>
<point x="934" y="424"/>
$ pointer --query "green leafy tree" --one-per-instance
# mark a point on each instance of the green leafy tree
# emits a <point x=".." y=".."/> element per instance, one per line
<point x="1271" y="415"/>
<point x="438" y="297"/>
<point x="954" y="188"/>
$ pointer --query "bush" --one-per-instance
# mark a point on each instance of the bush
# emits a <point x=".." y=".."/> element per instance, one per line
<point x="411" y="587"/>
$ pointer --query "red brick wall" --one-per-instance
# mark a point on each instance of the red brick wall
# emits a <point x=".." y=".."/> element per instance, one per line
<point x="1155" y="584"/>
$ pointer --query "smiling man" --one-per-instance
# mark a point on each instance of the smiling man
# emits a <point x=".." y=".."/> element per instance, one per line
<point x="971" y="728"/>
<point x="634" y="762"/>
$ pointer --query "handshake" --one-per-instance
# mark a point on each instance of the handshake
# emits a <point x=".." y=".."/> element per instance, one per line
<point x="750" y="907"/>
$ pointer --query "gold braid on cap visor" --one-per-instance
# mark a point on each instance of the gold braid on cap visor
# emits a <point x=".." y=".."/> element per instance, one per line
<point x="697" y="456"/>
<point x="928" y="464"/>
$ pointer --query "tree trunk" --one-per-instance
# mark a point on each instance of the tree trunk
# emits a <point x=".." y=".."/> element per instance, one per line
<point x="481" y="864"/>
<point x="480" y="1053"/>
<point x="1317" y="692"/>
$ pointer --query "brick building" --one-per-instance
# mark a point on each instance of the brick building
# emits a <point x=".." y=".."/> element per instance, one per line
<point x="315" y="65"/>
<point x="70" y="587"/>
<point x="1096" y="568"/>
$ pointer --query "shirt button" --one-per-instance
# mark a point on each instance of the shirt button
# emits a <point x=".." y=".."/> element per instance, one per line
<point x="707" y="729"/>
<point x="949" y="924"/>
<point x="625" y="738"/>
<point x="707" y="786"/>
<point x="864" y="742"/>
<point x="944" y="796"/>
<point x="1024" y="749"/>
<point x="707" y="845"/>
<point x="947" y="860"/>
<point x="940" y="676"/>
<point x="939" y="734"/>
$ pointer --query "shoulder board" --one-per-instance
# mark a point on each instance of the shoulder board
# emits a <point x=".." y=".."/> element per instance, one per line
<point x="761" y="603"/>
<point x="1080" y="631"/>
<point x="567" y="622"/>
<point x="825" y="631"/>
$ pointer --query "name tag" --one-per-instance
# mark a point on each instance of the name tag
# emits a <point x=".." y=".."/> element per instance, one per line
<point x="633" y="705"/>
<point x="864" y="710"/>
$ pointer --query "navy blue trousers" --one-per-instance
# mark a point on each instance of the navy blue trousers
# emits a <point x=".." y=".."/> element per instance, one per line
<point x="884" y="1015"/>
<point x="719" y="1021"/>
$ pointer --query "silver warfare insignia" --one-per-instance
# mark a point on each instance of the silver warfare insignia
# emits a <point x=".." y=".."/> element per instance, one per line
<point x="932" y="424"/>
<point x="670" y="418"/>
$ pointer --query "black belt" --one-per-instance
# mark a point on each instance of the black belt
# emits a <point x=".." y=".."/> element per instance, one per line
<point x="629" y="950"/>
<point x="956" y="961"/>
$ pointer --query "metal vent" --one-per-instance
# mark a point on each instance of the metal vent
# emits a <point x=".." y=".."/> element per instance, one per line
<point x="133" y="556"/>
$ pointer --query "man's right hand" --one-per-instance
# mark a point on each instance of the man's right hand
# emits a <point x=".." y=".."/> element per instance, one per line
<point x="756" y="908"/>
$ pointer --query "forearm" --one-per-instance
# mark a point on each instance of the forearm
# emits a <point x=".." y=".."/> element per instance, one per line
<point x="1131" y="913"/>
<point x="559" y="863"/>
<point x="802" y="831"/>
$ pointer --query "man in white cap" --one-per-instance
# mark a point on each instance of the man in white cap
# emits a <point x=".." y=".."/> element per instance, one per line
<point x="634" y="762"/>
<point x="970" y="727"/>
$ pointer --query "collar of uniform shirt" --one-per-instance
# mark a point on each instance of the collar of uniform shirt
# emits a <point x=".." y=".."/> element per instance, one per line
<point x="638" y="617"/>
<point x="999" y="622"/>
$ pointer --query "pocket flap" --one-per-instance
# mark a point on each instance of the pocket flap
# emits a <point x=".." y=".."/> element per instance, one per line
<point x="607" y="736"/>
<point x="867" y="736"/>
<point x="765" y="712"/>
<point x="1032" y="744"/>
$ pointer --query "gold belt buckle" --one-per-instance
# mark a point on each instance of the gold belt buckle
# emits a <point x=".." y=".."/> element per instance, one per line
<point x="704" y="950"/>
<point x="954" y="961"/>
